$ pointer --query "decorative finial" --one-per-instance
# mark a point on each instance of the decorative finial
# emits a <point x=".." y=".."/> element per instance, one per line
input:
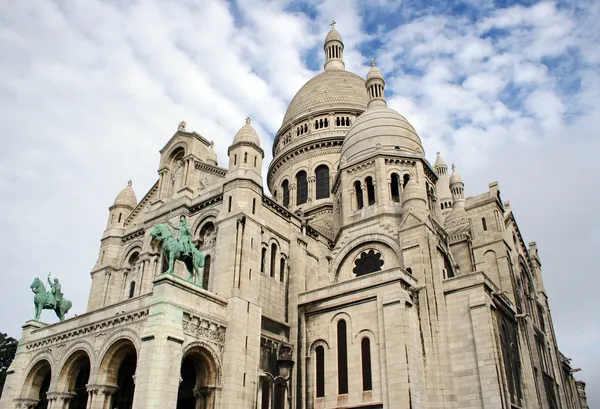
<point x="453" y="167"/>
<point x="438" y="153"/>
<point x="247" y="120"/>
<point x="181" y="126"/>
<point x="372" y="62"/>
<point x="332" y="24"/>
<point x="212" y="144"/>
<point x="129" y="182"/>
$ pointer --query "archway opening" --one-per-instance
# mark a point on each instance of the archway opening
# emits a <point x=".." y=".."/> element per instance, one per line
<point x="123" y="397"/>
<point x="118" y="368"/>
<point x="74" y="378"/>
<point x="37" y="384"/>
<point x="198" y="380"/>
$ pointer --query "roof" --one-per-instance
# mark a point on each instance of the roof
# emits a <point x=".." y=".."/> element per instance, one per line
<point x="127" y="197"/>
<point x="331" y="89"/>
<point x="247" y="133"/>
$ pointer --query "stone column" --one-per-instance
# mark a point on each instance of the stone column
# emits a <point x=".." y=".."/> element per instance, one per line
<point x="162" y="179"/>
<point x="203" y="395"/>
<point x="292" y="195"/>
<point x="92" y="393"/>
<point x="363" y="192"/>
<point x="107" y="392"/>
<point x="106" y="285"/>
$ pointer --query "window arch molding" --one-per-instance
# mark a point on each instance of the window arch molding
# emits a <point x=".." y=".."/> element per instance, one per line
<point x="167" y="158"/>
<point x="196" y="225"/>
<point x="131" y="249"/>
<point x="341" y="315"/>
<point x="380" y="242"/>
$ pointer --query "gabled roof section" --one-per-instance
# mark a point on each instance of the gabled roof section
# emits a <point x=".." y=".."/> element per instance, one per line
<point x="145" y="201"/>
<point x="188" y="135"/>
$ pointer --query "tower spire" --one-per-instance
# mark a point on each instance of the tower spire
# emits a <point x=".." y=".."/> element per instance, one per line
<point x="375" y="87"/>
<point x="334" y="49"/>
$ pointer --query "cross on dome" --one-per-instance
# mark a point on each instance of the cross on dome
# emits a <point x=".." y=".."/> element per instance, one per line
<point x="129" y="182"/>
<point x="247" y="120"/>
<point x="332" y="24"/>
<point x="372" y="62"/>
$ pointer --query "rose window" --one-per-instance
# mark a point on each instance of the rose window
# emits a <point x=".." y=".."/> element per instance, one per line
<point x="368" y="262"/>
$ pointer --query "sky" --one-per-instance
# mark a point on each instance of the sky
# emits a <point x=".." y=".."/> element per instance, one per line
<point x="90" y="91"/>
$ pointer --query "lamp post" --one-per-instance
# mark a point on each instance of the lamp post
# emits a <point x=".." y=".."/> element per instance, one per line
<point x="285" y="365"/>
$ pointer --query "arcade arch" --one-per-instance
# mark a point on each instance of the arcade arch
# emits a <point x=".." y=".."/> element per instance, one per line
<point x="199" y="378"/>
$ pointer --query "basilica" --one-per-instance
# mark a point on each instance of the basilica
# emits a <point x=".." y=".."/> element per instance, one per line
<point x="357" y="275"/>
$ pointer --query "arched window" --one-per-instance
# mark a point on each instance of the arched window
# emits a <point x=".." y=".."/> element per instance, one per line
<point x="325" y="122"/>
<point x="347" y="121"/>
<point x="282" y="269"/>
<point x="342" y="347"/>
<point x="273" y="259"/>
<point x="119" y="221"/>
<point x="359" y="194"/>
<point x="337" y="121"/>
<point x="253" y="206"/>
<point x="235" y="159"/>
<point x="405" y="179"/>
<point x="395" y="187"/>
<point x="320" y="123"/>
<point x="305" y="128"/>
<point x="263" y="260"/>
<point x="370" y="190"/>
<point x="320" y="371"/>
<point x="206" y="274"/>
<point x="285" y="186"/>
<point x="322" y="178"/>
<point x="317" y="124"/>
<point x="365" y="348"/>
<point x="229" y="205"/>
<point x="131" y="289"/>
<point x="302" y="188"/>
<point x="266" y="395"/>
<point x="255" y="161"/>
<point x="245" y="157"/>
<point x="484" y="224"/>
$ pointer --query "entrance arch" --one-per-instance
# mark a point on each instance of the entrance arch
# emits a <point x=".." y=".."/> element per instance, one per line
<point x="117" y="374"/>
<point x="199" y="379"/>
<point x="74" y="377"/>
<point x="37" y="384"/>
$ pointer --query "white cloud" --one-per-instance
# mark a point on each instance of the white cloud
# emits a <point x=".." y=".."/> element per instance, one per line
<point x="90" y="91"/>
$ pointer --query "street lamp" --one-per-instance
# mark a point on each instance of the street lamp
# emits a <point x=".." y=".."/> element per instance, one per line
<point x="285" y="365"/>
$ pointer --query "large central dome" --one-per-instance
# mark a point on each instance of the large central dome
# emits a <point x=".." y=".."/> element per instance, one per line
<point x="332" y="89"/>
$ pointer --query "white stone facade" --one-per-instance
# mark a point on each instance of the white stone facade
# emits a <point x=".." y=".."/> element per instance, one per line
<point x="386" y="286"/>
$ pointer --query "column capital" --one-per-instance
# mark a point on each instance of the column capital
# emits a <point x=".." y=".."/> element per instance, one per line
<point x="104" y="389"/>
<point x="203" y="391"/>
<point x="25" y="403"/>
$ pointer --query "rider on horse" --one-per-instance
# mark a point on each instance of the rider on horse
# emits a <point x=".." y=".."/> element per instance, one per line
<point x="55" y="290"/>
<point x="186" y="236"/>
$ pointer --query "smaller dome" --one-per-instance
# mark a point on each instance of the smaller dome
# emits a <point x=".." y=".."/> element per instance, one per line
<point x="455" y="178"/>
<point x="246" y="134"/>
<point x="211" y="157"/>
<point x="333" y="35"/>
<point x="127" y="197"/>
<point x="380" y="129"/>
<point x="374" y="72"/>
<point x="439" y="161"/>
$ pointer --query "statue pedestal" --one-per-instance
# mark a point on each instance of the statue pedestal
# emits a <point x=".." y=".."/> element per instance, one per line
<point x="31" y="326"/>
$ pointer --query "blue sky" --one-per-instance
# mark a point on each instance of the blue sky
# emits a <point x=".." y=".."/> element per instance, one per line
<point x="91" y="90"/>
